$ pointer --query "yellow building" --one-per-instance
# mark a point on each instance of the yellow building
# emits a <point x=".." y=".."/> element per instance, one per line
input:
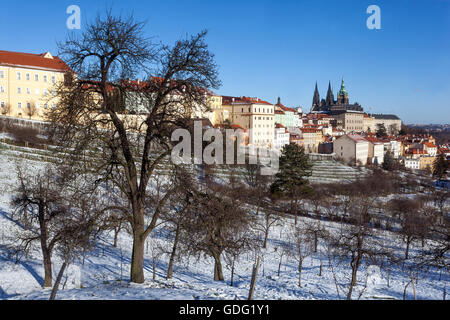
<point x="426" y="163"/>
<point x="254" y="115"/>
<point x="28" y="82"/>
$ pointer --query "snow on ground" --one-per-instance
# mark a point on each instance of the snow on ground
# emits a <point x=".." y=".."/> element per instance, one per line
<point x="104" y="272"/>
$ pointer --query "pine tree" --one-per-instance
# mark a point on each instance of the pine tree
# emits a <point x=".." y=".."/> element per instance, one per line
<point x="291" y="180"/>
<point x="389" y="162"/>
<point x="381" y="130"/>
<point x="440" y="167"/>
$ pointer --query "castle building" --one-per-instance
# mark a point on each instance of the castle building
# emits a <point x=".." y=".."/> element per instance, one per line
<point x="330" y="105"/>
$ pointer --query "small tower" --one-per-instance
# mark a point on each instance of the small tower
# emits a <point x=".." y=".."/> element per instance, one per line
<point x="342" y="95"/>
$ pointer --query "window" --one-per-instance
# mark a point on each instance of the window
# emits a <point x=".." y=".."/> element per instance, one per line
<point x="27" y="76"/>
<point x="45" y="78"/>
<point x="36" y="91"/>
<point x="36" y="77"/>
<point x="3" y="104"/>
<point x="54" y="92"/>
<point x="53" y="79"/>
<point x="28" y="91"/>
<point x="37" y="105"/>
<point x="28" y="105"/>
<point x="45" y="92"/>
<point x="19" y="76"/>
<point x="2" y="89"/>
<point x="19" y="90"/>
<point x="45" y="106"/>
<point x="19" y="105"/>
<point x="53" y="105"/>
<point x="2" y="74"/>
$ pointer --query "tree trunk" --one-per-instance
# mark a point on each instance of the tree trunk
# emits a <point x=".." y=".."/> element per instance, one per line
<point x="408" y="241"/>
<point x="116" y="234"/>
<point x="316" y="240"/>
<point x="253" y="281"/>
<point x="58" y="281"/>
<point x="279" y="265"/>
<point x="320" y="269"/>
<point x="300" y="267"/>
<point x="174" y="251"/>
<point x="137" y="258"/>
<point x="46" y="253"/>
<point x="232" y="273"/>
<point x="413" y="286"/>
<point x="218" y="273"/>
<point x="48" y="279"/>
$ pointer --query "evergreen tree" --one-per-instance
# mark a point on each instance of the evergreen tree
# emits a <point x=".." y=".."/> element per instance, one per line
<point x="440" y="167"/>
<point x="389" y="162"/>
<point x="291" y="180"/>
<point x="381" y="130"/>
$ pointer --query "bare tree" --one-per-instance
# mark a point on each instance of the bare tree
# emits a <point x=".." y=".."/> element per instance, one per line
<point x="218" y="222"/>
<point x="302" y="246"/>
<point x="139" y="116"/>
<point x="355" y="240"/>
<point x="56" y="202"/>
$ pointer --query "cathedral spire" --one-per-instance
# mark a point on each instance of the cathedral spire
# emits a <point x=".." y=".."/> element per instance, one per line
<point x="330" y="97"/>
<point x="343" y="91"/>
<point x="316" y="98"/>
<point x="343" y="94"/>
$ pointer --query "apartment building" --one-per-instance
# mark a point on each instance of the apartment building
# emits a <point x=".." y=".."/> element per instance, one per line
<point x="352" y="148"/>
<point x="28" y="83"/>
<point x="253" y="114"/>
<point x="281" y="137"/>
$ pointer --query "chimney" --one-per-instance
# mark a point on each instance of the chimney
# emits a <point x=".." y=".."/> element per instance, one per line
<point x="279" y="100"/>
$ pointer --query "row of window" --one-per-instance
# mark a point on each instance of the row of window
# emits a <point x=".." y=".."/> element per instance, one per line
<point x="37" y="105"/>
<point x="28" y="77"/>
<point x="269" y="110"/>
<point x="36" y="91"/>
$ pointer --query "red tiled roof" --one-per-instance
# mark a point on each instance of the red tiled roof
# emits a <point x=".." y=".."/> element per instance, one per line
<point x="233" y="126"/>
<point x="285" y="108"/>
<point x="32" y="61"/>
<point x="429" y="145"/>
<point x="243" y="100"/>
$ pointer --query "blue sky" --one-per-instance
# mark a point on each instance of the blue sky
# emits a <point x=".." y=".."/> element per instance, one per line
<point x="281" y="48"/>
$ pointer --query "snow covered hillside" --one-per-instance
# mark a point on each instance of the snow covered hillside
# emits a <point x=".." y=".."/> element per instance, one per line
<point x="104" y="273"/>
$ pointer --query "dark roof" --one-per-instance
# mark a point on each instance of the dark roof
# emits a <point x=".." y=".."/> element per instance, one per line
<point x="385" y="116"/>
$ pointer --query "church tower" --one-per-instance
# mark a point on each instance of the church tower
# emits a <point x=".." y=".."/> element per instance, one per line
<point x="316" y="99"/>
<point x="342" y="95"/>
<point x="330" y="97"/>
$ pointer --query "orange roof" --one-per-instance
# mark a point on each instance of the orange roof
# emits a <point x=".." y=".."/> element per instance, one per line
<point x="429" y="145"/>
<point x="285" y="108"/>
<point x="30" y="60"/>
<point x="243" y="100"/>
<point x="309" y="130"/>
<point x="373" y="139"/>
<point x="233" y="126"/>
